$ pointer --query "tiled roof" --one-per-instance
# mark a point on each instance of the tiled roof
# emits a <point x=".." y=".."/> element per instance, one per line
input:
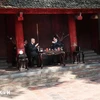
<point x="50" y="3"/>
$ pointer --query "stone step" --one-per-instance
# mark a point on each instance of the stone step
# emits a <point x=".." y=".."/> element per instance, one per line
<point x="88" y="51"/>
<point x="3" y="61"/>
<point x="91" y="61"/>
<point x="4" y="66"/>
<point x="92" y="57"/>
<point x="90" y="54"/>
<point x="3" y="58"/>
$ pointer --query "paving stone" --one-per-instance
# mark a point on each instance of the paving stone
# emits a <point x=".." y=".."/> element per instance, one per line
<point x="65" y="86"/>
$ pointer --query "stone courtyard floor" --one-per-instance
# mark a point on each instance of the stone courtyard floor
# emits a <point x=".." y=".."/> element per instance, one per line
<point x="68" y="89"/>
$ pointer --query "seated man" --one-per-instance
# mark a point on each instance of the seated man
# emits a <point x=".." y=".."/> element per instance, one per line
<point x="56" y="43"/>
<point x="33" y="52"/>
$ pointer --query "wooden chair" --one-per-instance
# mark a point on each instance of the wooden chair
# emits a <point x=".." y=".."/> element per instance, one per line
<point x="22" y="62"/>
<point x="78" y="55"/>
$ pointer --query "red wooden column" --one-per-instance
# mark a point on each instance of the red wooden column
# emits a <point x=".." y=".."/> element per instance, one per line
<point x="19" y="35"/>
<point x="72" y="32"/>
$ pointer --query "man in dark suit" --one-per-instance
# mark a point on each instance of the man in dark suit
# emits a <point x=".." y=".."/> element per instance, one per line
<point x="56" y="43"/>
<point x="33" y="52"/>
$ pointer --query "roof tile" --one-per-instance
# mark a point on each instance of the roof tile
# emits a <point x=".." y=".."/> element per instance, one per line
<point x="50" y="3"/>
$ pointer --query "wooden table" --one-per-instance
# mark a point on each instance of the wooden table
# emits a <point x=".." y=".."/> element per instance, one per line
<point x="50" y="53"/>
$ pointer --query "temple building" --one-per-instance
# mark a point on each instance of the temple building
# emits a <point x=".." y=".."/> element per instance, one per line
<point x="77" y="20"/>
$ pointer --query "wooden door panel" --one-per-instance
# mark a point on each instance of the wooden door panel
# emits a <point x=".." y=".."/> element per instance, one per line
<point x="3" y="45"/>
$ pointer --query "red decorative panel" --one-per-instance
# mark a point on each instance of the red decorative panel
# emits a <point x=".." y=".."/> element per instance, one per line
<point x="19" y="35"/>
<point x="72" y="32"/>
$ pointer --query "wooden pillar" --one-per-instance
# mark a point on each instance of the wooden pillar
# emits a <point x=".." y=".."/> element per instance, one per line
<point x="19" y="35"/>
<point x="72" y="32"/>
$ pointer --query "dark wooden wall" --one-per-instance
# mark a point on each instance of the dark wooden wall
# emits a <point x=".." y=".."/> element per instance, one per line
<point x="95" y="35"/>
<point x="10" y="32"/>
<point x="49" y="25"/>
<point x="87" y="33"/>
<point x="3" y="42"/>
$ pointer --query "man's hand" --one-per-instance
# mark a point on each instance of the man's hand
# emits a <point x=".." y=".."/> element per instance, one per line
<point x="36" y="44"/>
<point x="53" y="42"/>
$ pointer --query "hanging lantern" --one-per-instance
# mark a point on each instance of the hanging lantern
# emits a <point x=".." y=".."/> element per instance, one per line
<point x="20" y="17"/>
<point x="80" y="17"/>
<point x="95" y="17"/>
